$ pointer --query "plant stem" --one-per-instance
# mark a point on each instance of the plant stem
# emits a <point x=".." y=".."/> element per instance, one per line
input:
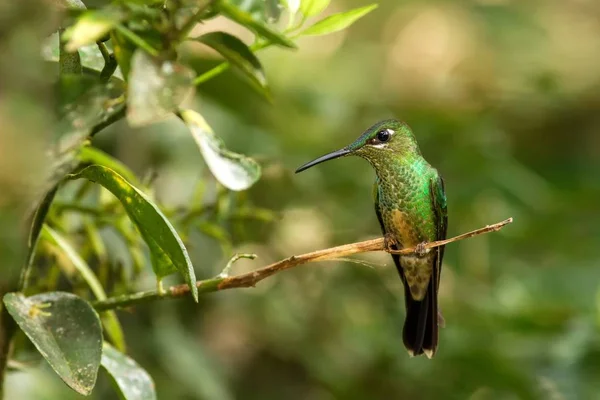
<point x="250" y="279"/>
<point x="193" y="20"/>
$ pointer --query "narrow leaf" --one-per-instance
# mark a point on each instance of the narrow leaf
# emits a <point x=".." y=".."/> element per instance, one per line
<point x="37" y="221"/>
<point x="93" y="155"/>
<point x="111" y="322"/>
<point x="166" y="248"/>
<point x="90" y="27"/>
<point x="238" y="54"/>
<point x="337" y="22"/>
<point x="232" y="170"/>
<point x="132" y="381"/>
<point x="245" y="19"/>
<point x="156" y="89"/>
<point x="311" y="8"/>
<point x="66" y="331"/>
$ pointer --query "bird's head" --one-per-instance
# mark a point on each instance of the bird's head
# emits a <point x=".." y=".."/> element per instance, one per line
<point x="385" y="139"/>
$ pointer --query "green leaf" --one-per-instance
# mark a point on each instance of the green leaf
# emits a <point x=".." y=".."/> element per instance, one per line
<point x="66" y="331"/>
<point x="132" y="381"/>
<point x="93" y="155"/>
<point x="156" y="88"/>
<point x="245" y="19"/>
<point x="90" y="27"/>
<point x="111" y="322"/>
<point x="337" y="22"/>
<point x="167" y="251"/>
<point x="232" y="170"/>
<point x="238" y="54"/>
<point x="311" y="8"/>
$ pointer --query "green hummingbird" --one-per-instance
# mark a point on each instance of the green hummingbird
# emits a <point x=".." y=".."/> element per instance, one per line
<point x="410" y="203"/>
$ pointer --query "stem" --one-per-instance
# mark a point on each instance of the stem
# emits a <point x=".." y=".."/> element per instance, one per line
<point x="250" y="279"/>
<point x="193" y="20"/>
<point x="109" y="121"/>
<point x="104" y="51"/>
<point x="141" y="43"/>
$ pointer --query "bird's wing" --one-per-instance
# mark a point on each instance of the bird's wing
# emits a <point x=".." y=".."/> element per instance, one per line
<point x="440" y="210"/>
<point x="395" y="257"/>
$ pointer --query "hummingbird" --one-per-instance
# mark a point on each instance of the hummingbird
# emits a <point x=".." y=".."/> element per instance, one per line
<point x="410" y="204"/>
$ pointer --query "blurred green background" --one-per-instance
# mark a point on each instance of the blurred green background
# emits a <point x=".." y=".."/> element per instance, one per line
<point x="504" y="98"/>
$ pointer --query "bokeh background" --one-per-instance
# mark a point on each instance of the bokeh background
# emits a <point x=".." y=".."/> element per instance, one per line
<point x="504" y="98"/>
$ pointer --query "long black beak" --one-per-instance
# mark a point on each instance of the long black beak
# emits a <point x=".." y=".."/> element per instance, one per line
<point x="326" y="157"/>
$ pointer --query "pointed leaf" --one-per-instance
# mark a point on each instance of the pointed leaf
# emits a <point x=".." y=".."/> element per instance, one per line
<point x="66" y="331"/>
<point x="311" y="8"/>
<point x="245" y="19"/>
<point x="93" y="155"/>
<point x="337" y="22"/>
<point x="111" y="322"/>
<point x="132" y="381"/>
<point x="166" y="248"/>
<point x="156" y="88"/>
<point x="90" y="27"/>
<point x="234" y="171"/>
<point x="238" y="54"/>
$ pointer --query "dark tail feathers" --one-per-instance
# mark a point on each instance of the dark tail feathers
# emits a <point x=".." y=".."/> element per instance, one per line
<point x="420" y="333"/>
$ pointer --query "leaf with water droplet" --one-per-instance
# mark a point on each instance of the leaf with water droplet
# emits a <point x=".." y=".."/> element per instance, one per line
<point x="156" y="88"/>
<point x="232" y="170"/>
<point x="66" y="331"/>
<point x="132" y="381"/>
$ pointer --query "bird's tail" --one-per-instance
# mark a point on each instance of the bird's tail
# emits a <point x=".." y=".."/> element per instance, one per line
<point x="420" y="333"/>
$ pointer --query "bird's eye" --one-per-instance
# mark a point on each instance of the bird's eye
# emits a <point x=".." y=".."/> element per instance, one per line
<point x="384" y="135"/>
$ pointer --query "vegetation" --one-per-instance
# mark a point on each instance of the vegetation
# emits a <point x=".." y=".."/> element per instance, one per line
<point x="174" y="130"/>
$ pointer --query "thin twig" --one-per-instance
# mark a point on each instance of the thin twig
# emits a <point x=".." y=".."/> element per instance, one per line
<point x="250" y="279"/>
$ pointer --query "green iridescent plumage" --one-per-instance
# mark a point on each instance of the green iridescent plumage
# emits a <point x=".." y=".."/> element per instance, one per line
<point x="410" y="204"/>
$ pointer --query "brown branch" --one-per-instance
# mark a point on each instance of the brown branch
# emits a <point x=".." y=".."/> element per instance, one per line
<point x="250" y="279"/>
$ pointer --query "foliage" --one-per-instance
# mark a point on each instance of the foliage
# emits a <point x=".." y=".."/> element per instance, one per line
<point x="123" y="59"/>
<point x="503" y="99"/>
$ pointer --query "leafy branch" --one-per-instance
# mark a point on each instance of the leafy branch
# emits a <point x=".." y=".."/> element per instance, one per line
<point x="250" y="279"/>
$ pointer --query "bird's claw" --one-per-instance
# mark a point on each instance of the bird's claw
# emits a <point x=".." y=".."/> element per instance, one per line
<point x="389" y="242"/>
<point x="420" y="249"/>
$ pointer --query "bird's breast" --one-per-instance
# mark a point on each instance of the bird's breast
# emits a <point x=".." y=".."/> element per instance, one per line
<point x="417" y="270"/>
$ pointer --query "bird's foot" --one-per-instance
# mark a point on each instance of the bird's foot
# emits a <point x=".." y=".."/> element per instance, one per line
<point x="389" y="242"/>
<point x="421" y="250"/>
